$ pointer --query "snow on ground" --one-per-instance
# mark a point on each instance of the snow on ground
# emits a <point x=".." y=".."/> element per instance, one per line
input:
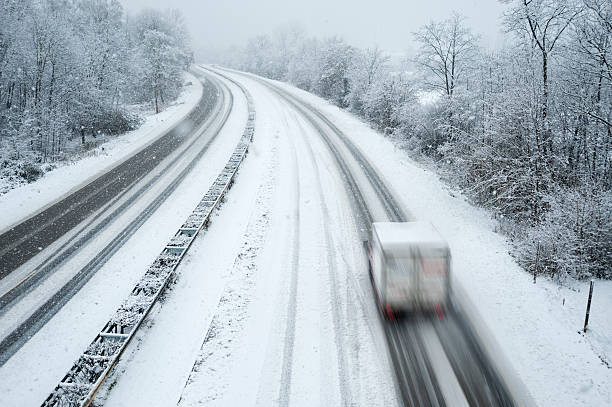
<point x="537" y="325"/>
<point x="26" y="200"/>
<point x="273" y="304"/>
<point x="264" y="312"/>
<point x="164" y="352"/>
<point x="32" y="373"/>
<point x="207" y="380"/>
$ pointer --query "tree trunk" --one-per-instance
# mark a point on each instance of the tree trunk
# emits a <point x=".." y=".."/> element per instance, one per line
<point x="545" y="88"/>
<point x="156" y="102"/>
<point x="546" y="134"/>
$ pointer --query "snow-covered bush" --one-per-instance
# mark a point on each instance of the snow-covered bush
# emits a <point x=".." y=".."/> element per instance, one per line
<point x="386" y="101"/>
<point x="334" y="61"/>
<point x="574" y="239"/>
<point x="30" y="172"/>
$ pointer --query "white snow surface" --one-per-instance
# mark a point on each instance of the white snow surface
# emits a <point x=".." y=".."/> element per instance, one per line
<point x="265" y="311"/>
<point x="273" y="304"/>
<point x="29" y="199"/>
<point x="538" y="326"/>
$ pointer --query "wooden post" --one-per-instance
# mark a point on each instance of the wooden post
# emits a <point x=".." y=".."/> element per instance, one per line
<point x="588" y="310"/>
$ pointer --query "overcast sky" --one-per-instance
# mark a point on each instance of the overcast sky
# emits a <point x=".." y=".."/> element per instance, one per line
<point x="387" y="23"/>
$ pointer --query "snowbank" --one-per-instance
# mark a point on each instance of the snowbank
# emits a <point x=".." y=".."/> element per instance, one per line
<point x="25" y="201"/>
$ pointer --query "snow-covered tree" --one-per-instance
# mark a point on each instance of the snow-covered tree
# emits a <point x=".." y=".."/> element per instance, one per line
<point x="303" y="68"/>
<point x="367" y="67"/>
<point x="68" y="69"/>
<point x="387" y="100"/>
<point x="524" y="130"/>
<point x="161" y="54"/>
<point x="446" y="51"/>
<point x="334" y="62"/>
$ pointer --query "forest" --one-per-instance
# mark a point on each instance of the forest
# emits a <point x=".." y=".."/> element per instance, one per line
<point x="68" y="71"/>
<point x="524" y="130"/>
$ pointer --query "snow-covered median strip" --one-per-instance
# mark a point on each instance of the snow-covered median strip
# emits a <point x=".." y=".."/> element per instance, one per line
<point x="27" y="200"/>
<point x="80" y="384"/>
<point x="230" y="318"/>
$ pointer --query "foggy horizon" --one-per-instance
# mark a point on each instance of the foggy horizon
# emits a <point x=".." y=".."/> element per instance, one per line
<point x="217" y="25"/>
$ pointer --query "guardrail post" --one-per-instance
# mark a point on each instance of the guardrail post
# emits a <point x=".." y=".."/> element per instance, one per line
<point x="588" y="310"/>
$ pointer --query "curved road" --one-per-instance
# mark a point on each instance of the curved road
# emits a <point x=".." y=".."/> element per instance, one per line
<point x="26" y="239"/>
<point x="436" y="362"/>
<point x="121" y="187"/>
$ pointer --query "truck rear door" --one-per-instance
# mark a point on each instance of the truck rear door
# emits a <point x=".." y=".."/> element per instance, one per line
<point x="401" y="281"/>
<point x="433" y="274"/>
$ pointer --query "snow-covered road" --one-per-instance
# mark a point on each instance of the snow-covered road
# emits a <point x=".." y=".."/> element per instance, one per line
<point x="536" y="328"/>
<point x="29" y="375"/>
<point x="273" y="305"/>
<point x="32" y="293"/>
<point x="291" y="320"/>
<point x="284" y="319"/>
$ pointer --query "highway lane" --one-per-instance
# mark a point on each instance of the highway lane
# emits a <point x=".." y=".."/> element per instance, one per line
<point x="26" y="239"/>
<point x="189" y="140"/>
<point x="31" y="250"/>
<point x="422" y="351"/>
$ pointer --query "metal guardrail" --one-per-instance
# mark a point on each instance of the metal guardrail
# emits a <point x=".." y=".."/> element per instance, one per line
<point x="80" y="385"/>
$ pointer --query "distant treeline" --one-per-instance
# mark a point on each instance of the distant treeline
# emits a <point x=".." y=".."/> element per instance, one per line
<point x="525" y="131"/>
<point x="68" y="69"/>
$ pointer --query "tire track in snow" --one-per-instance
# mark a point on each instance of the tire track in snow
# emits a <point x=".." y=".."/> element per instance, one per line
<point x="348" y="394"/>
<point x="354" y="290"/>
<point x="289" y="345"/>
<point x="363" y="216"/>
<point x="335" y="299"/>
<point x="362" y="220"/>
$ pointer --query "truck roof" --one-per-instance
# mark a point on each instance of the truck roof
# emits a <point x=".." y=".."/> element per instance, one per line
<point x="396" y="237"/>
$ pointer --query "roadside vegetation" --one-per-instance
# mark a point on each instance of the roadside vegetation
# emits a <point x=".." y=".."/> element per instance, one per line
<point x="524" y="130"/>
<point x="69" y="71"/>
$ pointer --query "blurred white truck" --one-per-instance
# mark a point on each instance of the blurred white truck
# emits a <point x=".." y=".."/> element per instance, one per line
<point x="409" y="267"/>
